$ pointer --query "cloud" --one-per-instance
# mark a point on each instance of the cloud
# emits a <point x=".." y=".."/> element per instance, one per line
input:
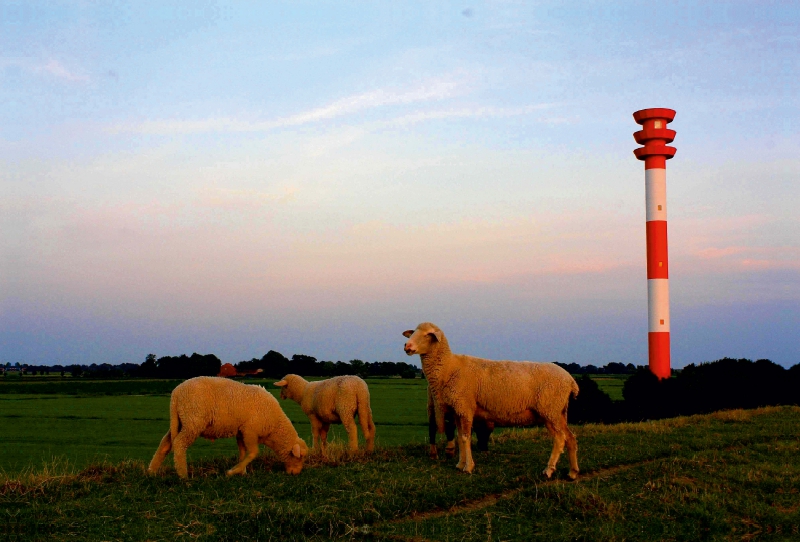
<point x="52" y="68"/>
<point x="473" y="112"/>
<point x="56" y="69"/>
<point x="437" y="89"/>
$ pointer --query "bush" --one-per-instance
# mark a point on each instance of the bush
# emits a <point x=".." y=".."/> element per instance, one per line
<point x="592" y="404"/>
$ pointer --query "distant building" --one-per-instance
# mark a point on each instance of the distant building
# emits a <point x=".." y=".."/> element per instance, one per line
<point x="228" y="371"/>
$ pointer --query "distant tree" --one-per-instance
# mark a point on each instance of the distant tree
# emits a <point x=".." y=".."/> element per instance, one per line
<point x="303" y="365"/>
<point x="359" y="368"/>
<point x="184" y="366"/>
<point x="148" y="369"/>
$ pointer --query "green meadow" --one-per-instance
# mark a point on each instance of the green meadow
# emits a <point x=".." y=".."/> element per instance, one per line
<point x="81" y="426"/>
<point x="73" y="468"/>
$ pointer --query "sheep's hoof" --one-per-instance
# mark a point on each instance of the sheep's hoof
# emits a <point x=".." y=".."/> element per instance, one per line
<point x="450" y="452"/>
<point x="469" y="468"/>
<point x="548" y="473"/>
<point x="573" y="475"/>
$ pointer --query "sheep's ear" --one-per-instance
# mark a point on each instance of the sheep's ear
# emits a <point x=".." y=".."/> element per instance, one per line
<point x="436" y="335"/>
<point x="296" y="450"/>
<point x="281" y="384"/>
<point x="408" y="333"/>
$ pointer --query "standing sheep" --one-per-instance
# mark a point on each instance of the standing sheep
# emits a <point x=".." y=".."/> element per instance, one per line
<point x="336" y="400"/>
<point x="213" y="408"/>
<point x="506" y="393"/>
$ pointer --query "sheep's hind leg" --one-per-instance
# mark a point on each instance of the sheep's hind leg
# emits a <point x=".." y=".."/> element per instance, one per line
<point x="368" y="428"/>
<point x="572" y="449"/>
<point x="179" y="447"/>
<point x="163" y="449"/>
<point x="558" y="446"/>
<point x="350" y="426"/>
<point x="251" y="449"/>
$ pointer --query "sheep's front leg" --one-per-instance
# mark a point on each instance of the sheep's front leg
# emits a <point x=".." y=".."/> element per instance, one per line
<point x="163" y="449"/>
<point x="316" y="425"/>
<point x="251" y="452"/>
<point x="240" y="444"/>
<point x="433" y="453"/>
<point x="465" y="461"/>
<point x="450" y="433"/>
<point x="323" y="437"/>
<point x="558" y="446"/>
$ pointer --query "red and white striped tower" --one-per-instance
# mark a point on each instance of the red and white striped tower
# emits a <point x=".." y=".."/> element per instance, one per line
<point x="654" y="135"/>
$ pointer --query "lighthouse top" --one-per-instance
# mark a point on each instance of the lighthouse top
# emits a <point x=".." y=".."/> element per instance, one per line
<point x="654" y="135"/>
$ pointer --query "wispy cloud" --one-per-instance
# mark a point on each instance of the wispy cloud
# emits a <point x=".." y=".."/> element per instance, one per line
<point x="434" y="90"/>
<point x="56" y="69"/>
<point x="50" y="68"/>
<point x="470" y="112"/>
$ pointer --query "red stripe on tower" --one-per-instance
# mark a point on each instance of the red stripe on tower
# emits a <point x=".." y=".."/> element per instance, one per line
<point x="655" y="135"/>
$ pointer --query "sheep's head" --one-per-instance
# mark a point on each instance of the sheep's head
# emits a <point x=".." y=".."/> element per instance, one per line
<point x="423" y="339"/>
<point x="289" y="387"/>
<point x="294" y="462"/>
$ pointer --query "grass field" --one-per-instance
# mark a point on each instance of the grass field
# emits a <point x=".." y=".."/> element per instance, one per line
<point x="83" y="427"/>
<point x="729" y="475"/>
<point x="73" y="458"/>
<point x="84" y="422"/>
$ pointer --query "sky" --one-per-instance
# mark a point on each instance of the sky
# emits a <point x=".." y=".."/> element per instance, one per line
<point x="317" y="177"/>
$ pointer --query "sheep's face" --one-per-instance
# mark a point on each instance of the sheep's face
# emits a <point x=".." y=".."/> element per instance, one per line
<point x="284" y="385"/>
<point x="422" y="340"/>
<point x="294" y="463"/>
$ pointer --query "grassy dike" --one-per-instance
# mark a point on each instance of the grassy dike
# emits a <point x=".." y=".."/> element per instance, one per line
<point x="729" y="475"/>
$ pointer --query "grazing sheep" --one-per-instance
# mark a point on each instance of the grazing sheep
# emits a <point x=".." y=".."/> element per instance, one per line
<point x="506" y="393"/>
<point x="213" y="407"/>
<point x="482" y="429"/>
<point x="336" y="400"/>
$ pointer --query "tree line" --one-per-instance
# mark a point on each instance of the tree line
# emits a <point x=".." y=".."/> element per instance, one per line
<point x="697" y="389"/>
<point x="272" y="365"/>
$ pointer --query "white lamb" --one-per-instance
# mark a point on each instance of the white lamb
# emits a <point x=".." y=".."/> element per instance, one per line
<point x="336" y="400"/>
<point x="505" y="393"/>
<point x="213" y="408"/>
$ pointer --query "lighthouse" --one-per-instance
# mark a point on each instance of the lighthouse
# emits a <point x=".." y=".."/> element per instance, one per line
<point x="655" y="135"/>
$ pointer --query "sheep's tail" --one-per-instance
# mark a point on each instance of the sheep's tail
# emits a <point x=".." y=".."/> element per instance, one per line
<point x="174" y="420"/>
<point x="575" y="389"/>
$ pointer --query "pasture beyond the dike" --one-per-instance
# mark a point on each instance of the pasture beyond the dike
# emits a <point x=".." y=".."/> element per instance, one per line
<point x="73" y="468"/>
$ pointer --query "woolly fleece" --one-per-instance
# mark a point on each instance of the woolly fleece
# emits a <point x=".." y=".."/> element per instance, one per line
<point x="505" y="393"/>
<point x="213" y="407"/>
<point x="335" y="400"/>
